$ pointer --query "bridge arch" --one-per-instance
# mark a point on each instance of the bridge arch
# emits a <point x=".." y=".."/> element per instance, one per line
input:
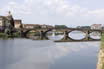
<point x="95" y="34"/>
<point x="86" y="38"/>
<point x="41" y="33"/>
<point x="77" y="35"/>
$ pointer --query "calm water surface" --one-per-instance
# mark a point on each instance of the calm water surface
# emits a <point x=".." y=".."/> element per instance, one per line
<point x="31" y="54"/>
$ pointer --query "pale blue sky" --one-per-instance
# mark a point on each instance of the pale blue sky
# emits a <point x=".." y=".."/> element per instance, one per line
<point x="68" y="12"/>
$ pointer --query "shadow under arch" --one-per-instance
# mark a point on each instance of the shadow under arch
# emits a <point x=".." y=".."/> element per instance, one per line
<point x="41" y="33"/>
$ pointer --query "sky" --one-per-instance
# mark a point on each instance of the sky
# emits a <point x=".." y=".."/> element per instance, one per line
<point x="71" y="13"/>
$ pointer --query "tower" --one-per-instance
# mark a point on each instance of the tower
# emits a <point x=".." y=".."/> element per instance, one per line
<point x="10" y="19"/>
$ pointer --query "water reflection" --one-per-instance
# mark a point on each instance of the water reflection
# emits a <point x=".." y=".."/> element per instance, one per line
<point x="95" y="35"/>
<point x="77" y="35"/>
<point x="55" y="36"/>
<point x="29" y="54"/>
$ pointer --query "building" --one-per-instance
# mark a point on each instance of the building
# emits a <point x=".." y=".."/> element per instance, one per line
<point x="8" y="21"/>
<point x="31" y="26"/>
<point x="3" y="22"/>
<point x="96" y="26"/>
<point x="17" y="23"/>
<point x="36" y="26"/>
<point x="46" y="26"/>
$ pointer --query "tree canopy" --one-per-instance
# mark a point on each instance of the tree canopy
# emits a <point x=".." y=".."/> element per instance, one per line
<point x="60" y="26"/>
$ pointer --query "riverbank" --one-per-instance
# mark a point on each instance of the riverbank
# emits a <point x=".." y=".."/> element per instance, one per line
<point x="3" y="36"/>
<point x="100" y="64"/>
<point x="6" y="36"/>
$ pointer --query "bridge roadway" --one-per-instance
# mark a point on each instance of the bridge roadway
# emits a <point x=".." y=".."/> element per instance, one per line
<point x="66" y="38"/>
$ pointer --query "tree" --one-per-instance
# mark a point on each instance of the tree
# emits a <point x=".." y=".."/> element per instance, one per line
<point x="12" y="22"/>
<point x="83" y="27"/>
<point x="60" y="26"/>
<point x="21" y="26"/>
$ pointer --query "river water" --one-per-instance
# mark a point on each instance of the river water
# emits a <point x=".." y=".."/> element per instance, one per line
<point x="46" y="54"/>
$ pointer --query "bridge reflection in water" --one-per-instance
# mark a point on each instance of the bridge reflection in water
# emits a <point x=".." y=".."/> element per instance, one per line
<point x="67" y="32"/>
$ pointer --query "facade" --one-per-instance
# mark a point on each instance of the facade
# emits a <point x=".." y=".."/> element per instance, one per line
<point x="37" y="26"/>
<point x="3" y="22"/>
<point x="31" y="26"/>
<point x="46" y="26"/>
<point x="96" y="26"/>
<point x="43" y="26"/>
<point x="17" y="23"/>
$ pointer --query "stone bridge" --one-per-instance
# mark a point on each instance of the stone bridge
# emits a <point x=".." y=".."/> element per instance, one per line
<point x="66" y="38"/>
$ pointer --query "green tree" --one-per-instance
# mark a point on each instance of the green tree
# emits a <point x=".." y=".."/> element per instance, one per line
<point x="60" y="26"/>
<point x="21" y="26"/>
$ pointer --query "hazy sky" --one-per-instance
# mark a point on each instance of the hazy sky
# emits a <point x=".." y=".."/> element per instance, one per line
<point x="68" y="12"/>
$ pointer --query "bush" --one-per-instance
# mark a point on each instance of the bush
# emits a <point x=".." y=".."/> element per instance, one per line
<point x="3" y="35"/>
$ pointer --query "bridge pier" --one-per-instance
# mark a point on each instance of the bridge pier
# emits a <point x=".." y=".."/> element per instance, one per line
<point x="66" y="37"/>
<point x="87" y="37"/>
<point x="42" y="36"/>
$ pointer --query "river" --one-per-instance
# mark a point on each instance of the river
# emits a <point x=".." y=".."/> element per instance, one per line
<point x="46" y="54"/>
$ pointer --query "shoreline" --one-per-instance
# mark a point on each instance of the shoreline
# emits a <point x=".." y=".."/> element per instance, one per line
<point x="100" y="64"/>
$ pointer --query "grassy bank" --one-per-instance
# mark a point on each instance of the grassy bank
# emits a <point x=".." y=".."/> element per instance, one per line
<point x="102" y="48"/>
<point x="6" y="36"/>
<point x="103" y="66"/>
<point x="3" y="36"/>
<point x="102" y="42"/>
<point x="100" y="64"/>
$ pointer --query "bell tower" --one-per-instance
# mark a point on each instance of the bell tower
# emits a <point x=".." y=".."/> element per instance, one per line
<point x="10" y="19"/>
<point x="9" y="13"/>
